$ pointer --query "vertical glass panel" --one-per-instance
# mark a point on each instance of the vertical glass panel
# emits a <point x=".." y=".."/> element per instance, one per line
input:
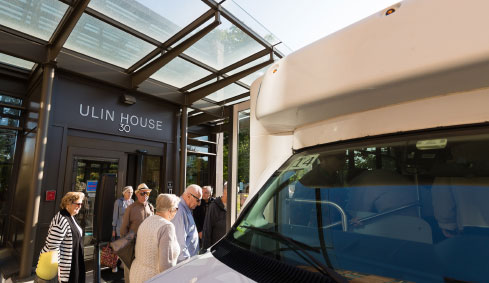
<point x="180" y="73"/>
<point x="38" y="18"/>
<point x="14" y="61"/>
<point x="7" y="149"/>
<point x="227" y="92"/>
<point x="197" y="170"/>
<point x="251" y="22"/>
<point x="223" y="46"/>
<point x="243" y="158"/>
<point x="157" y="19"/>
<point x="151" y="175"/>
<point x="107" y="43"/>
<point x="86" y="175"/>
<point x="8" y="139"/>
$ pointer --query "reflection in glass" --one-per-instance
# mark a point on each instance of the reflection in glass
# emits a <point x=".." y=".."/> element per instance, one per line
<point x="151" y="175"/>
<point x="223" y="46"/>
<point x="249" y="21"/>
<point x="87" y="174"/>
<point x="7" y="149"/>
<point x="198" y="170"/>
<point x="243" y="158"/>
<point x="107" y="43"/>
<point x="38" y="18"/>
<point x="157" y="19"/>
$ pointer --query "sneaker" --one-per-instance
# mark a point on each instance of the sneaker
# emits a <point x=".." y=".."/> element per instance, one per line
<point x="114" y="270"/>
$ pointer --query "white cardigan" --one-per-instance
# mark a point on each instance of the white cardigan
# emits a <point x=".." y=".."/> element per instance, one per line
<point x="157" y="249"/>
<point x="60" y="238"/>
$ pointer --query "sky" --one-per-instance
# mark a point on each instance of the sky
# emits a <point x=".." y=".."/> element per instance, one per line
<point x="299" y="23"/>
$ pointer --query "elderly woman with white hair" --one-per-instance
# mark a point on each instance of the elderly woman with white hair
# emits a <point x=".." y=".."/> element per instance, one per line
<point x="157" y="248"/>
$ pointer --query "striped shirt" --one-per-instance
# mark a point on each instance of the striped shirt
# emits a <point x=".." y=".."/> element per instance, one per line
<point x="60" y="238"/>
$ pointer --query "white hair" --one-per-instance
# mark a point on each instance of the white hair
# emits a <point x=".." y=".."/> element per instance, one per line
<point x="166" y="202"/>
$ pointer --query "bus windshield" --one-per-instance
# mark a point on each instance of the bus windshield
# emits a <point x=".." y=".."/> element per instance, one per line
<point x="412" y="208"/>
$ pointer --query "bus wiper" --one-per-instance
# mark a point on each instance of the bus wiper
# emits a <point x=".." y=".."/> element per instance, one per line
<point x="296" y="245"/>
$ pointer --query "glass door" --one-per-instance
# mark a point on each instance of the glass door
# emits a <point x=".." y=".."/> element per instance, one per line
<point x="87" y="173"/>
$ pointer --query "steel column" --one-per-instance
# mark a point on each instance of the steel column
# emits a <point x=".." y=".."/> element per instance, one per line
<point x="183" y="148"/>
<point x="34" y="198"/>
<point x="232" y="168"/>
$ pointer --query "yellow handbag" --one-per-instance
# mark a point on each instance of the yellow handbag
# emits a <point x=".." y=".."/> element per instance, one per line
<point x="47" y="266"/>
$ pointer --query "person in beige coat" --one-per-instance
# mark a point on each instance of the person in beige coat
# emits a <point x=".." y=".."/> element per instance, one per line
<point x="157" y="248"/>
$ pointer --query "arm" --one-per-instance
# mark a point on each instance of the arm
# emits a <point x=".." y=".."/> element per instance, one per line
<point x="166" y="247"/>
<point x="115" y="216"/>
<point x="444" y="204"/>
<point x="125" y="221"/>
<point x="56" y="234"/>
<point x="181" y="233"/>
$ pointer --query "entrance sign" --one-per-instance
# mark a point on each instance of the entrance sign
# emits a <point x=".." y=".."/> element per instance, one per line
<point x="124" y="120"/>
<point x="100" y="110"/>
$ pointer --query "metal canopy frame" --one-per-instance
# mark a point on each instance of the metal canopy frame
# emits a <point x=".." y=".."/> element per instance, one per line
<point x="216" y="116"/>
<point x="136" y="77"/>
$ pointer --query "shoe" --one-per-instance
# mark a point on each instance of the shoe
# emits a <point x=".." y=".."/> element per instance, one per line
<point x="114" y="270"/>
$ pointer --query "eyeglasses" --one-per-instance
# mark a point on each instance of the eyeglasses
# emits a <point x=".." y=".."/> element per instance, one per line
<point x="143" y="193"/>
<point x="77" y="203"/>
<point x="196" y="198"/>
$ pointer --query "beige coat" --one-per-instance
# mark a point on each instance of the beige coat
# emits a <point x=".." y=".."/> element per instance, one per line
<point x="157" y="249"/>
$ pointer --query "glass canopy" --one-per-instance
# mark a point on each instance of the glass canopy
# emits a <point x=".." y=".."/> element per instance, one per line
<point x="38" y="18"/>
<point x="180" y="73"/>
<point x="106" y="43"/>
<point x="17" y="62"/>
<point x="157" y="19"/>
<point x="225" y="45"/>
<point x="227" y="92"/>
<point x="124" y="40"/>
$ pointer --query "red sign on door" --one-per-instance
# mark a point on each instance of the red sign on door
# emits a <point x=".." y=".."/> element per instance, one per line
<point x="50" y="195"/>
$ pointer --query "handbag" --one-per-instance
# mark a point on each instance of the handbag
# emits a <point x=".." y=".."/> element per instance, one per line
<point x="47" y="266"/>
<point x="124" y="248"/>
<point x="108" y="257"/>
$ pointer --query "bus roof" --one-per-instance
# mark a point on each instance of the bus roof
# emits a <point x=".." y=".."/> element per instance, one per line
<point x="424" y="49"/>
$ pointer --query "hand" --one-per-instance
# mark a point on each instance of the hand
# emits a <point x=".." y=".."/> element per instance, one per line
<point x="200" y="235"/>
<point x="113" y="234"/>
<point x="449" y="233"/>
<point x="356" y="222"/>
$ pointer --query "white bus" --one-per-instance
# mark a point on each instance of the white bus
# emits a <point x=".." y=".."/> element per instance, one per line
<point x="384" y="130"/>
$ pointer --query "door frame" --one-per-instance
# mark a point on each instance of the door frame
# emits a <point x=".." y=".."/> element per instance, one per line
<point x="96" y="154"/>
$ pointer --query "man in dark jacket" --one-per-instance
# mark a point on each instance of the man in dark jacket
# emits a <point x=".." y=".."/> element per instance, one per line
<point x="215" y="221"/>
<point x="201" y="210"/>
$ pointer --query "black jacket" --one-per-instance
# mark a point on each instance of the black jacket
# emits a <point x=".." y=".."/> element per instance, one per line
<point x="200" y="212"/>
<point x="215" y="223"/>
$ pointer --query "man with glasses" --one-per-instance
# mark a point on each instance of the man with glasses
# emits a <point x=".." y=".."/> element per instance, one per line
<point x="135" y="214"/>
<point x="185" y="228"/>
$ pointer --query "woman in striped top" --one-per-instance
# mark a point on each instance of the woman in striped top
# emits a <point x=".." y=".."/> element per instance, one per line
<point x="65" y="236"/>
